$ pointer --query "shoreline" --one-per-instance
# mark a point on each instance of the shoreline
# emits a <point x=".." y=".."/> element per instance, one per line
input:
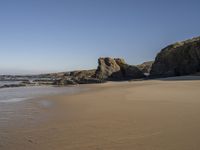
<point x="115" y="116"/>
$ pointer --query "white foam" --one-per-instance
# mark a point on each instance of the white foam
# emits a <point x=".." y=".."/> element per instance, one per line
<point x="10" y="95"/>
<point x="13" y="100"/>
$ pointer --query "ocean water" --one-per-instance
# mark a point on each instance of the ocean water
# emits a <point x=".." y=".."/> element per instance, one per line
<point x="18" y="106"/>
<point x="8" y="82"/>
<point x="10" y="95"/>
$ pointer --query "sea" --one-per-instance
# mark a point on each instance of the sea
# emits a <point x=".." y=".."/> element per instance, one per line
<point x="17" y="94"/>
<point x="8" y="82"/>
<point x="22" y="103"/>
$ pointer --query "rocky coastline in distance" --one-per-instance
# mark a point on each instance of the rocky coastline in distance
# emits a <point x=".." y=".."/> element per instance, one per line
<point x="181" y="58"/>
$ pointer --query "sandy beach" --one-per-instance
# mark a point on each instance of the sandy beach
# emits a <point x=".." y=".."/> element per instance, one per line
<point x="136" y="115"/>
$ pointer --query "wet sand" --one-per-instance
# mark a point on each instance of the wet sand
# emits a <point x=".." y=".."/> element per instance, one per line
<point x="137" y="115"/>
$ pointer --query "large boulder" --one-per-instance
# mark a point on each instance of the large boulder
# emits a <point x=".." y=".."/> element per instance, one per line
<point x="181" y="58"/>
<point x="106" y="67"/>
<point x="116" y="69"/>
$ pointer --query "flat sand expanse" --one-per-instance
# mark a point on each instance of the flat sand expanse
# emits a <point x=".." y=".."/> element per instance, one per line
<point x="137" y="115"/>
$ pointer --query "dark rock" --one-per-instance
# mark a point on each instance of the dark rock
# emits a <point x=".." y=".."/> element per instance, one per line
<point x="182" y="58"/>
<point x="83" y="73"/>
<point x="88" y="80"/>
<point x="12" y="85"/>
<point x="64" y="81"/>
<point x="26" y="82"/>
<point x="131" y="72"/>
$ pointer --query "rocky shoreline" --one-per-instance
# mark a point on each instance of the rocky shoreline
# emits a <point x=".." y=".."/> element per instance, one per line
<point x="181" y="58"/>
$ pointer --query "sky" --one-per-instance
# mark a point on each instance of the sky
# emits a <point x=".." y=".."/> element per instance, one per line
<point x="38" y="36"/>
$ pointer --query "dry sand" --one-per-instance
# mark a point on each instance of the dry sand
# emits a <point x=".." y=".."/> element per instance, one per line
<point x="138" y="115"/>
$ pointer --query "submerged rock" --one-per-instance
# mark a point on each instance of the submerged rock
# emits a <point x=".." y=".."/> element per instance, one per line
<point x="181" y="58"/>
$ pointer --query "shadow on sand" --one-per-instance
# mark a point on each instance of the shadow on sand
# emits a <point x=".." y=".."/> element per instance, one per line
<point x="180" y="78"/>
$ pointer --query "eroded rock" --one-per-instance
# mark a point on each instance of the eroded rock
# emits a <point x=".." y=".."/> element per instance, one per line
<point x="181" y="58"/>
<point x="116" y="69"/>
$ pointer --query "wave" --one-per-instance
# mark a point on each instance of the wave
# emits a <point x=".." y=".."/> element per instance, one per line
<point x="13" y="100"/>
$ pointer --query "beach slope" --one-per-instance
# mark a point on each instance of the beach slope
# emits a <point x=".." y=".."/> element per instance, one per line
<point x="138" y="115"/>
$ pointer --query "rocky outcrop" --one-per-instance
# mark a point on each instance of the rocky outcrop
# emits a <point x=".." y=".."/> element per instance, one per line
<point x="106" y="67"/>
<point x="64" y="81"/>
<point x="83" y="74"/>
<point x="88" y="80"/>
<point x="116" y="69"/>
<point x="12" y="85"/>
<point x="181" y="58"/>
<point x="145" y="67"/>
<point x="78" y="77"/>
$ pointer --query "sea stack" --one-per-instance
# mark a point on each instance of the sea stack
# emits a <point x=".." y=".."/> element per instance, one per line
<point x="116" y="69"/>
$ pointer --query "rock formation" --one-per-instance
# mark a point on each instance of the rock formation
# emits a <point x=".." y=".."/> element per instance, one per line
<point x="106" y="67"/>
<point x="64" y="81"/>
<point x="83" y="74"/>
<point x="181" y="58"/>
<point x="78" y="77"/>
<point x="178" y="59"/>
<point x="116" y="69"/>
<point x="145" y="67"/>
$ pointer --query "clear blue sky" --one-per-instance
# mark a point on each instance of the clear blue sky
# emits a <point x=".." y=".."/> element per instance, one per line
<point x="60" y="35"/>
